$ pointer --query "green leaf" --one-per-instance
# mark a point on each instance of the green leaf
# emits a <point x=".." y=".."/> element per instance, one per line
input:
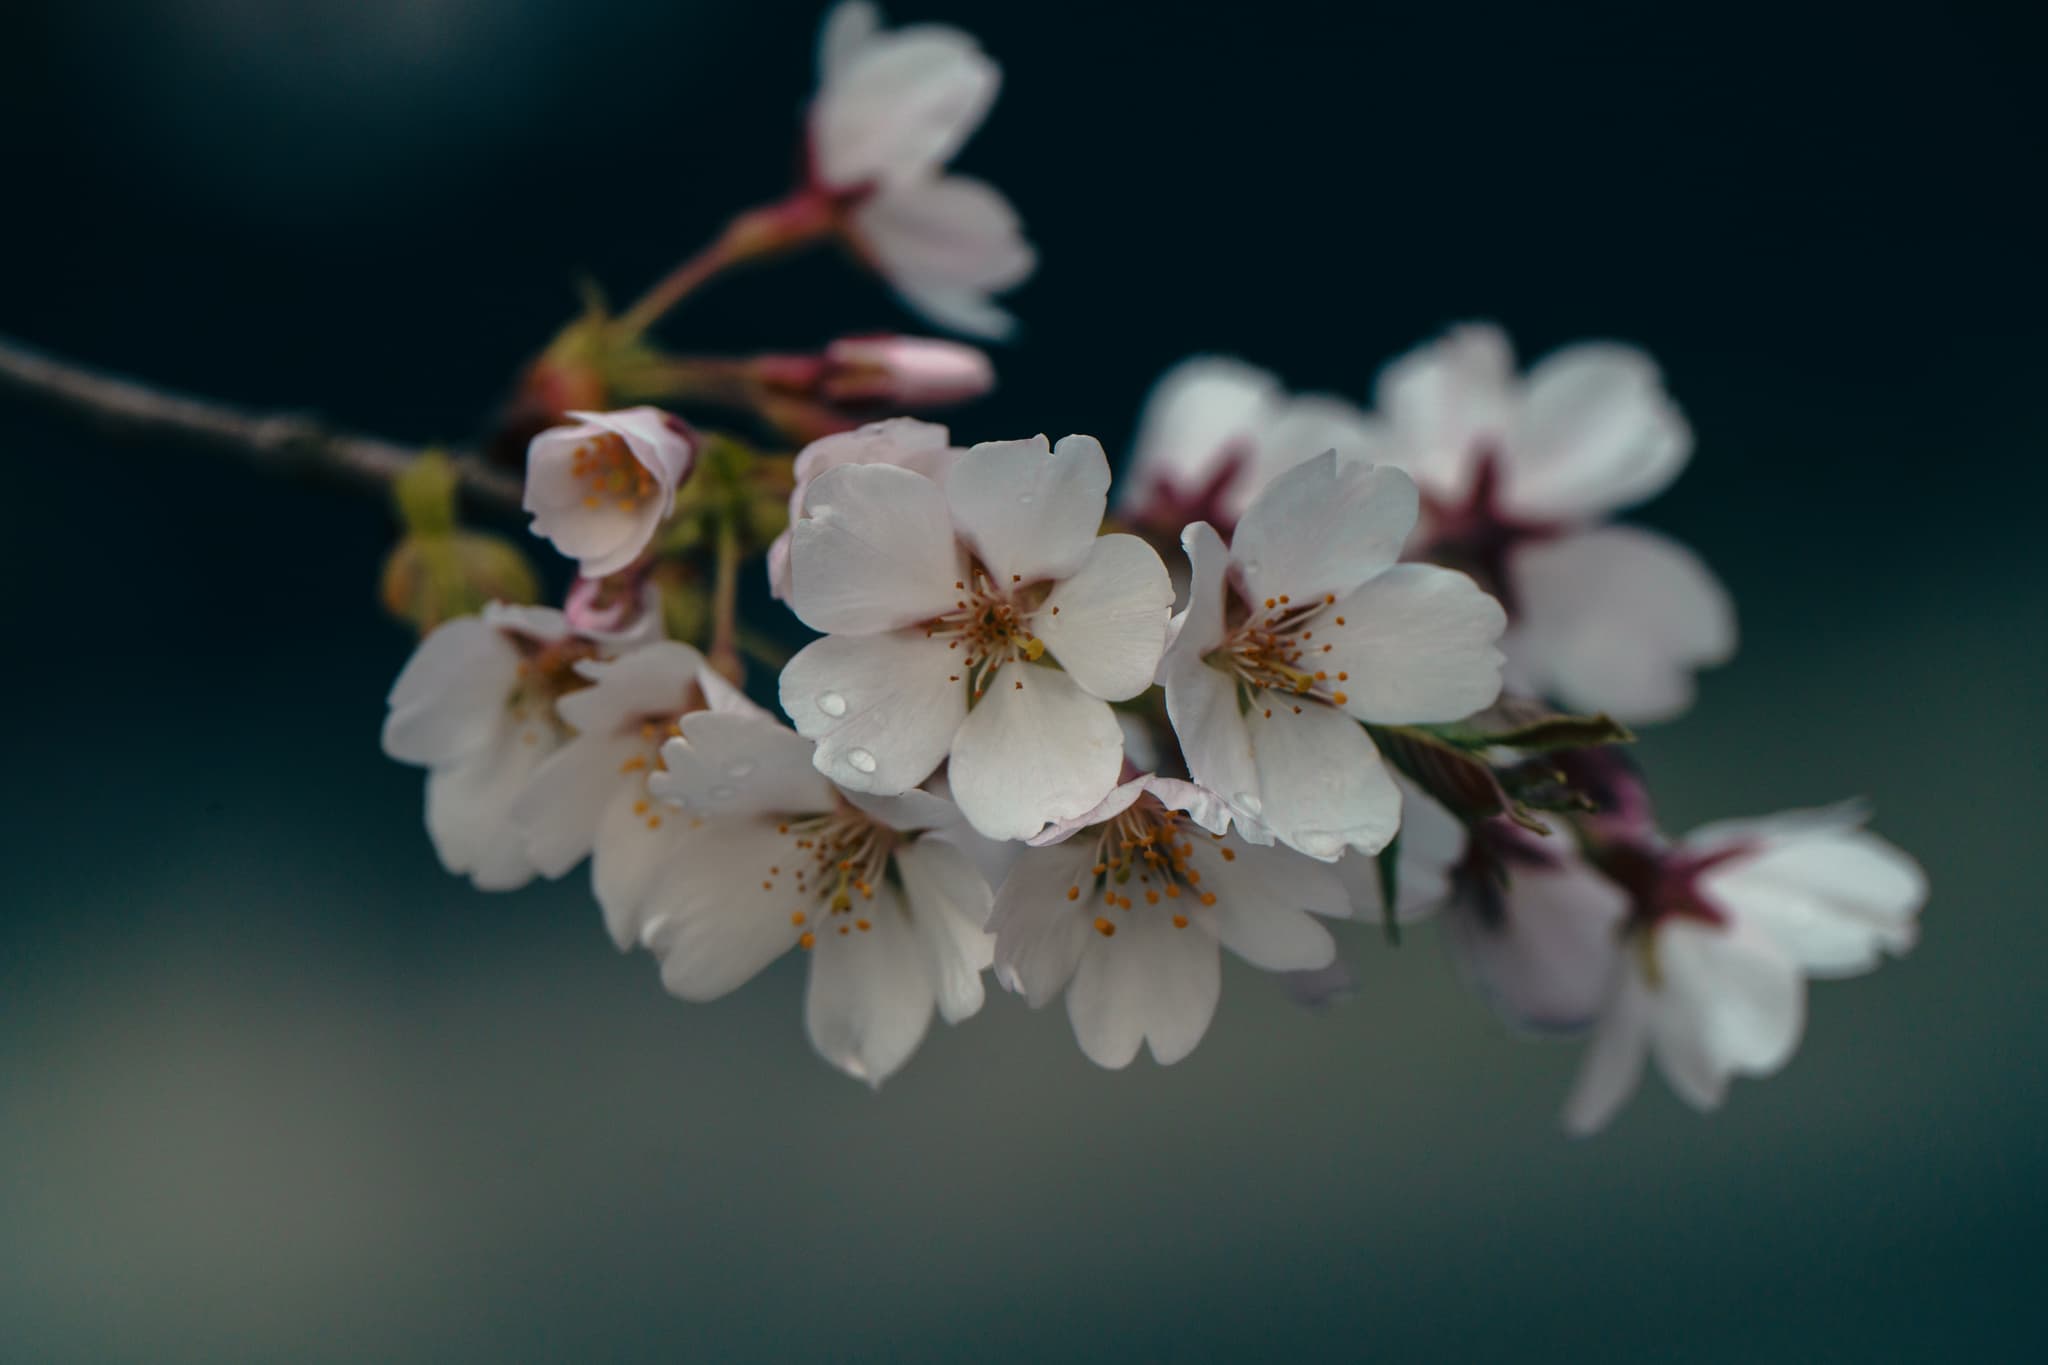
<point x="1531" y="728"/>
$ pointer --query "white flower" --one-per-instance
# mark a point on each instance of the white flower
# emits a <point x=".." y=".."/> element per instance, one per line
<point x="945" y="609"/>
<point x="769" y="856"/>
<point x="590" y="797"/>
<point x="1518" y="474"/>
<point x="892" y="108"/>
<point x="1215" y="432"/>
<point x="1537" y="931"/>
<point x="1432" y="842"/>
<point x="1727" y="928"/>
<point x="1306" y="626"/>
<point x="475" y="706"/>
<point x="922" y="447"/>
<point x="1124" y="908"/>
<point x="600" y="489"/>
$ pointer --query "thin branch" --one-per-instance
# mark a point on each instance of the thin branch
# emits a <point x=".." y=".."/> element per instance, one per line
<point x="285" y="443"/>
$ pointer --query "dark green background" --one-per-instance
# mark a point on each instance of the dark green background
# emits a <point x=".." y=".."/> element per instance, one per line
<point x="273" y="1088"/>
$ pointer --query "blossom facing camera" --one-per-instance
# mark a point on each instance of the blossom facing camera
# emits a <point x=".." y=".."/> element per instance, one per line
<point x="1305" y="626"/>
<point x="892" y="108"/>
<point x="1518" y="475"/>
<point x="982" y="623"/>
<point x="1724" y="930"/>
<point x="1126" y="908"/>
<point x="601" y="488"/>
<point x="770" y="857"/>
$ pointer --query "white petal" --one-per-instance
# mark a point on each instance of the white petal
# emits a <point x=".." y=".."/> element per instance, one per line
<point x="1148" y="982"/>
<point x="1613" y="1064"/>
<point x="1728" y="1004"/>
<point x="469" y="810"/>
<point x="1120" y="799"/>
<point x="1617" y="619"/>
<point x="870" y="997"/>
<point x="1323" y="527"/>
<point x="1419" y="644"/>
<point x="1107" y="623"/>
<point x="1307" y="425"/>
<point x="557" y="811"/>
<point x="1040" y="934"/>
<point x="628" y="858"/>
<point x="1197" y="629"/>
<point x="1834" y="900"/>
<point x="874" y="551"/>
<point x="1432" y="842"/>
<point x="449" y="699"/>
<point x="883" y="708"/>
<point x="1596" y="432"/>
<point x="949" y="902"/>
<point x="898" y="105"/>
<point x="1546" y="953"/>
<point x="1029" y="754"/>
<point x="1449" y="401"/>
<point x="710" y="923"/>
<point x="847" y="28"/>
<point x="921" y="447"/>
<point x="946" y="245"/>
<point x="1031" y="510"/>
<point x="1322" y="787"/>
<point x="909" y="811"/>
<point x="653" y="680"/>
<point x="733" y="765"/>
<point x="1202" y="414"/>
<point x="1214" y="737"/>
<point x="1260" y="921"/>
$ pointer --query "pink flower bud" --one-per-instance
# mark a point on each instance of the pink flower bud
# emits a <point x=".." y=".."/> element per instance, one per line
<point x="904" y="373"/>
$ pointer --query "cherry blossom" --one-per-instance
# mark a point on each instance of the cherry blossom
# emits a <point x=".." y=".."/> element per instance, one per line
<point x="892" y="108"/>
<point x="1518" y="475"/>
<point x="600" y="488"/>
<point x="923" y="447"/>
<point x="978" y="621"/>
<point x="768" y="856"/>
<point x="1125" y="907"/>
<point x="1724" y="930"/>
<point x="1302" y="628"/>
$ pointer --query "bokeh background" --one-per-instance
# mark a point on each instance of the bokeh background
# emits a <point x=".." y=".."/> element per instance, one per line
<point x="274" y="1088"/>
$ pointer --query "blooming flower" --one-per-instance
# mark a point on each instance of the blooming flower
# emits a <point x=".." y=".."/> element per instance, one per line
<point x="769" y="856"/>
<point x="475" y="706"/>
<point x="589" y="798"/>
<point x="1124" y="908"/>
<point x="1724" y="930"/>
<point x="922" y="447"/>
<point x="945" y="610"/>
<point x="1517" y="476"/>
<point x="599" y="489"/>
<point x="1214" y="433"/>
<point x="892" y="108"/>
<point x="1306" y="626"/>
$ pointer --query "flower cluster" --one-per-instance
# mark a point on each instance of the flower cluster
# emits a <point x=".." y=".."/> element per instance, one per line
<point x="1311" y="662"/>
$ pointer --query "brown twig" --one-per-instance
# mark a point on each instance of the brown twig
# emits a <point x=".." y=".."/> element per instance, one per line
<point x="275" y="442"/>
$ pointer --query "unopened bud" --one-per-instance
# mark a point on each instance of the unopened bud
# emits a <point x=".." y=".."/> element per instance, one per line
<point x="429" y="579"/>
<point x="904" y="374"/>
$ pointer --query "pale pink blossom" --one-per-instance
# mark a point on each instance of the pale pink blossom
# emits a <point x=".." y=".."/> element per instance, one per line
<point x="599" y="489"/>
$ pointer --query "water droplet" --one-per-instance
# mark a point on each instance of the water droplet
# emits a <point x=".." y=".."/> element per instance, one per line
<point x="723" y="793"/>
<point x="1250" y="802"/>
<point x="831" y="703"/>
<point x="861" y="759"/>
<point x="1027" y="498"/>
<point x="739" y="768"/>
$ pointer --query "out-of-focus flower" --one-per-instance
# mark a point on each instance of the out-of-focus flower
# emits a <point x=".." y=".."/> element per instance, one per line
<point x="600" y="489"/>
<point x="1518" y="473"/>
<point x="769" y="856"/>
<point x="589" y="798"/>
<point x="1724" y="930"/>
<point x="945" y="609"/>
<point x="1124" y="906"/>
<point x="475" y="706"/>
<point x="1303" y="627"/>
<point x="1215" y="432"/>
<point x="892" y="108"/>
<point x="906" y="374"/>
<point x="922" y="447"/>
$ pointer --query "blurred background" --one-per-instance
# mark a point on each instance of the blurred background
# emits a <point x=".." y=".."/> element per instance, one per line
<point x="272" y="1087"/>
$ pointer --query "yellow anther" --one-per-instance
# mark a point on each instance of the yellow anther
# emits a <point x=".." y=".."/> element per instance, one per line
<point x="1105" y="928"/>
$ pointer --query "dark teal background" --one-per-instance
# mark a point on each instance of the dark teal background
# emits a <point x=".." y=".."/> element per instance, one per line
<point x="273" y="1088"/>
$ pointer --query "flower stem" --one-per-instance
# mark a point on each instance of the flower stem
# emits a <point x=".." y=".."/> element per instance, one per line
<point x="803" y="218"/>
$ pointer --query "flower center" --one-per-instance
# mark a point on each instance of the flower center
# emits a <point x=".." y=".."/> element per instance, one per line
<point x="605" y="466"/>
<point x="835" y="862"/>
<point x="990" y="625"/>
<point x="1275" y="649"/>
<point x="1148" y="850"/>
<point x="546" y="674"/>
